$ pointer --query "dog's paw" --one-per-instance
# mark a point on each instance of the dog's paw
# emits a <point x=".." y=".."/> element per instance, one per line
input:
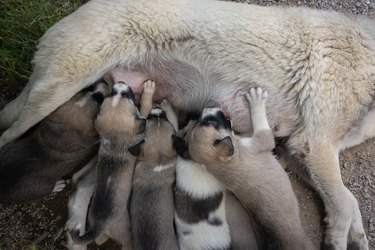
<point x="149" y="87"/>
<point x="59" y="186"/>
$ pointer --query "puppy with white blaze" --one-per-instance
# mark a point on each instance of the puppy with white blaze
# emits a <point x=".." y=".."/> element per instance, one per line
<point x="317" y="66"/>
<point x="247" y="167"/>
<point x="120" y="128"/>
<point x="207" y="216"/>
<point x="151" y="204"/>
<point x="200" y="217"/>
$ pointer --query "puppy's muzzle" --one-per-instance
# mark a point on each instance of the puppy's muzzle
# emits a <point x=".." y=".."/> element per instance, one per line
<point x="123" y="90"/>
<point x="214" y="117"/>
<point x="157" y="113"/>
<point x="100" y="91"/>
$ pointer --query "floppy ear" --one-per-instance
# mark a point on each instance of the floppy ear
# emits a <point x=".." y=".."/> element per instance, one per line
<point x="225" y="148"/>
<point x="180" y="146"/>
<point x="136" y="149"/>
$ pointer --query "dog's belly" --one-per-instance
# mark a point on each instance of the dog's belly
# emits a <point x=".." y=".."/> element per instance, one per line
<point x="134" y="79"/>
<point x="185" y="95"/>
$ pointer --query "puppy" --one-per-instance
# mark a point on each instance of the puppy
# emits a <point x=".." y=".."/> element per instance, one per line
<point x="200" y="215"/>
<point x="208" y="216"/>
<point x="247" y="167"/>
<point x="62" y="143"/>
<point x="120" y="128"/>
<point x="152" y="205"/>
<point x="318" y="66"/>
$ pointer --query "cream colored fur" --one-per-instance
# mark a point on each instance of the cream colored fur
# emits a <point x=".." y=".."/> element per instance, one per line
<point x="248" y="169"/>
<point x="317" y="66"/>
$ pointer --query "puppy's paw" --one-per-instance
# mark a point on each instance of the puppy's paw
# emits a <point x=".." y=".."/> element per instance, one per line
<point x="166" y="106"/>
<point x="59" y="186"/>
<point x="256" y="97"/>
<point x="73" y="224"/>
<point x="149" y="88"/>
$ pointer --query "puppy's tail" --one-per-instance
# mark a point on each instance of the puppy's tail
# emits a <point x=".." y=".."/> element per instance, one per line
<point x="87" y="238"/>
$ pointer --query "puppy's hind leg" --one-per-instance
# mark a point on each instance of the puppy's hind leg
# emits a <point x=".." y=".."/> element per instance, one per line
<point x="170" y="113"/>
<point x="84" y="182"/>
<point x="59" y="186"/>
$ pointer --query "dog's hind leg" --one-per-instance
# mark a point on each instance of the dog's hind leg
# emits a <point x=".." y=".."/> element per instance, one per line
<point x="84" y="181"/>
<point x="357" y="236"/>
<point x="340" y="205"/>
<point x="45" y="96"/>
<point x="12" y="110"/>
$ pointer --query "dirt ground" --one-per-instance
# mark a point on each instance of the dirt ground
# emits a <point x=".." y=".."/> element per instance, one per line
<point x="41" y="224"/>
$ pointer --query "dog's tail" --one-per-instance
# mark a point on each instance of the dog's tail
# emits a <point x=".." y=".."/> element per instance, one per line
<point x="87" y="238"/>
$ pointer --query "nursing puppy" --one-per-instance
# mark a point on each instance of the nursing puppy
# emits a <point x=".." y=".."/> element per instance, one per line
<point x="208" y="216"/>
<point x="200" y="216"/>
<point x="60" y="144"/>
<point x="120" y="127"/>
<point x="152" y="203"/>
<point x="318" y="67"/>
<point x="247" y="167"/>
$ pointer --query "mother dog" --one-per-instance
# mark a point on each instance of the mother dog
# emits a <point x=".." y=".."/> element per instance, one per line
<point x="317" y="66"/>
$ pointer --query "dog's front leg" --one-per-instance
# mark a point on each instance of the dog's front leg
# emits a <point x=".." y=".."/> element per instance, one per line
<point x="84" y="182"/>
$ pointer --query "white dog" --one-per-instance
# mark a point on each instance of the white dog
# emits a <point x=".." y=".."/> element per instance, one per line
<point x="317" y="66"/>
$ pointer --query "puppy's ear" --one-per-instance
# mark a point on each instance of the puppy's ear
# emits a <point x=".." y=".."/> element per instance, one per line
<point x="136" y="149"/>
<point x="180" y="146"/>
<point x="225" y="148"/>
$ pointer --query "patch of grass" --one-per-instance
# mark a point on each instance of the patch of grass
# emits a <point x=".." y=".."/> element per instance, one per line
<point x="22" y="23"/>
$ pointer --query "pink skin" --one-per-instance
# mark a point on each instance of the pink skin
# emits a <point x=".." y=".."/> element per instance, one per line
<point x="232" y="105"/>
<point x="136" y="79"/>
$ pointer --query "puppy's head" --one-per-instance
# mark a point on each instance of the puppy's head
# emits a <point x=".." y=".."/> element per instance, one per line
<point x="118" y="116"/>
<point x="210" y="140"/>
<point x="78" y="114"/>
<point x="157" y="146"/>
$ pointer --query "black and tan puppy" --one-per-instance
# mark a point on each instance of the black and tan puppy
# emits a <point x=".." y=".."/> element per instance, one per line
<point x="152" y="204"/>
<point x="63" y="142"/>
<point x="120" y="127"/>
<point x="247" y="167"/>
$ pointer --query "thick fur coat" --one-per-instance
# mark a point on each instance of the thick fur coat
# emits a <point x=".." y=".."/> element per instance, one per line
<point x="317" y="66"/>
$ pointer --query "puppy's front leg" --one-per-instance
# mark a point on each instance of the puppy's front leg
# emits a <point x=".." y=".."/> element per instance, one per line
<point x="170" y="113"/>
<point x="146" y="99"/>
<point x="262" y="132"/>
